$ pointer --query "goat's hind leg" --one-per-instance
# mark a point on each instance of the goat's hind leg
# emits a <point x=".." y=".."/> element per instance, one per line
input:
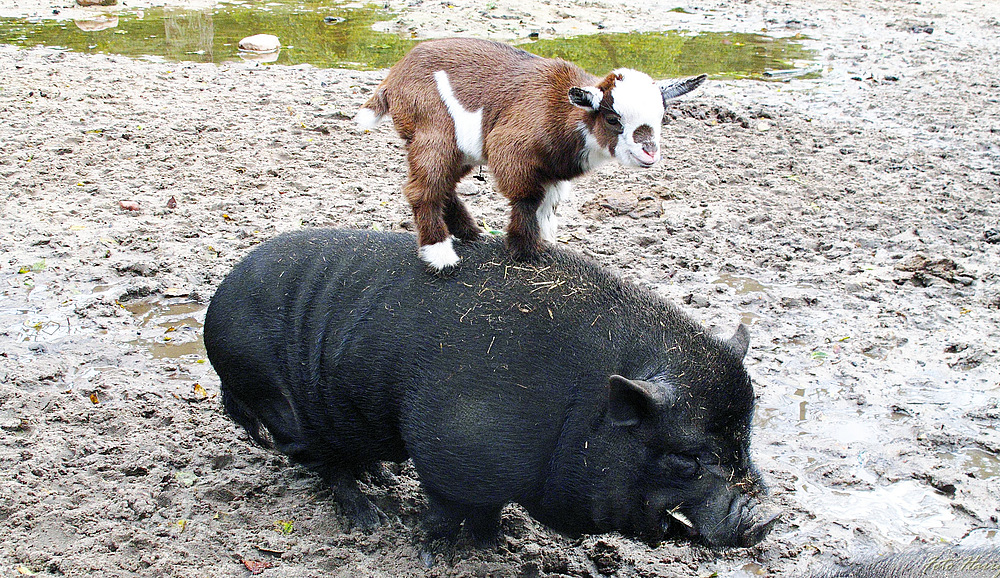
<point x="460" y="222"/>
<point x="429" y="187"/>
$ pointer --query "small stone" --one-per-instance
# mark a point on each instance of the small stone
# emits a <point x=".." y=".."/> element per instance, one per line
<point x="696" y="301"/>
<point x="260" y="43"/>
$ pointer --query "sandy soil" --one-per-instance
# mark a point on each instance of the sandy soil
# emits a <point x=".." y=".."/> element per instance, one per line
<point x="852" y="221"/>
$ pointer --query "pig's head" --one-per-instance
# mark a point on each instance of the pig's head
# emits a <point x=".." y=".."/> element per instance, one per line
<point x="676" y="461"/>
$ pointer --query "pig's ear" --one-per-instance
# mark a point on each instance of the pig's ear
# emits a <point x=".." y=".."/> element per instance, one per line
<point x="632" y="400"/>
<point x="739" y="343"/>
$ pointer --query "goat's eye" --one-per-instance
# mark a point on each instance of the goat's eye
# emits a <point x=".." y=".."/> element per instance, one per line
<point x="613" y="122"/>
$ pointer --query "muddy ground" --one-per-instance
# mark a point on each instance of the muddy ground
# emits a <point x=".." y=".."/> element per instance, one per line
<point x="852" y="221"/>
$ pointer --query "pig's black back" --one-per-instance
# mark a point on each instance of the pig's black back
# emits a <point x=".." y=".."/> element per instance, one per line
<point x="345" y="350"/>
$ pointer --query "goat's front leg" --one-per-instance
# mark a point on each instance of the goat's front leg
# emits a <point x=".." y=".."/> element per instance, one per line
<point x="524" y="235"/>
<point x="519" y="181"/>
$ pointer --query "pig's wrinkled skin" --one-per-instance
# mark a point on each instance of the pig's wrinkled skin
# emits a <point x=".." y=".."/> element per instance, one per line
<point x="591" y="402"/>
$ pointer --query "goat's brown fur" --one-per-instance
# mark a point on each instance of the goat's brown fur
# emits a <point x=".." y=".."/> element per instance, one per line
<point x="530" y="131"/>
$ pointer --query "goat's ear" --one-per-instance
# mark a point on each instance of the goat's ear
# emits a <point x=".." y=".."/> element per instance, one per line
<point x="588" y="97"/>
<point x="674" y="88"/>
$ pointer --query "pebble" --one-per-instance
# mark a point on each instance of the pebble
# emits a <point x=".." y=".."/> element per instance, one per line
<point x="260" y="43"/>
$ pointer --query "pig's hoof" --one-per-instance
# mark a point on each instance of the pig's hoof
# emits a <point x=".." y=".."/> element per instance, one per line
<point x="484" y="526"/>
<point x="427" y="557"/>
<point x="356" y="506"/>
<point x="380" y="474"/>
<point x="367" y="518"/>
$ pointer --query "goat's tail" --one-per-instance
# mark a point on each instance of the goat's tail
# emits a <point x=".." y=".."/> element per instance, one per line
<point x="374" y="110"/>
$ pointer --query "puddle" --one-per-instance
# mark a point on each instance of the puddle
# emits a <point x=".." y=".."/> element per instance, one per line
<point x="743" y="285"/>
<point x="678" y="53"/>
<point x="974" y="461"/>
<point x="212" y="35"/>
<point x="26" y="311"/>
<point x="169" y="328"/>
<point x="904" y="508"/>
<point x="315" y="33"/>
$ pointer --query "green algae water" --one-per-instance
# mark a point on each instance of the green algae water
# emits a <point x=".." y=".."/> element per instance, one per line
<point x="309" y="34"/>
<point x="323" y="36"/>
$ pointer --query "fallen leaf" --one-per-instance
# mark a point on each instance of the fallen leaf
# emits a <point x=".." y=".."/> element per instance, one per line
<point x="257" y="566"/>
<point x="199" y="390"/>
<point x="94" y="398"/>
<point x="171" y="202"/>
<point x="284" y="526"/>
<point x="186" y="479"/>
<point x="24" y="571"/>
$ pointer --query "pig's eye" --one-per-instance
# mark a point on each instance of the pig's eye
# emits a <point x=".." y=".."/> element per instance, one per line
<point x="680" y="465"/>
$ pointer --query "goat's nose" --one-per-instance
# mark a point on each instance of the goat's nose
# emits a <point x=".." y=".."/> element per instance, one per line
<point x="650" y="148"/>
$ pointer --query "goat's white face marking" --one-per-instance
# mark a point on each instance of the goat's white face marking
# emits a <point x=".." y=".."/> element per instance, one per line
<point x="468" y="125"/>
<point x="593" y="154"/>
<point x="639" y="102"/>
<point x="548" y="223"/>
<point x="440" y="255"/>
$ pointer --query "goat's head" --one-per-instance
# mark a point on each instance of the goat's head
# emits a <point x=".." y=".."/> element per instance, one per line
<point x="627" y="111"/>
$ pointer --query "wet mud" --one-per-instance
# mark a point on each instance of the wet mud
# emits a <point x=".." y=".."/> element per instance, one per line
<point x="851" y="220"/>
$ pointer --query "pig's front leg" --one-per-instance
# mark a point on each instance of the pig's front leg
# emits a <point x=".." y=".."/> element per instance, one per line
<point x="353" y="503"/>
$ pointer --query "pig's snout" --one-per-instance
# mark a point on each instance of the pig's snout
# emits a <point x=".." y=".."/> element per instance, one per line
<point x="744" y="523"/>
<point x="754" y="520"/>
<point x="762" y="521"/>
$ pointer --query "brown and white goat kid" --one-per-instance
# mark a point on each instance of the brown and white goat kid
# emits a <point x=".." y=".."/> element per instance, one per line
<point x="537" y="122"/>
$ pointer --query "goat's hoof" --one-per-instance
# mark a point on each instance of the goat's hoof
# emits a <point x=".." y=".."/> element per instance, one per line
<point x="440" y="256"/>
<point x="528" y="254"/>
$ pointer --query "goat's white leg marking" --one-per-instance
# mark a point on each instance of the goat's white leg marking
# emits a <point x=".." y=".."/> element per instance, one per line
<point x="367" y="119"/>
<point x="440" y="255"/>
<point x="548" y="223"/>
<point x="468" y="125"/>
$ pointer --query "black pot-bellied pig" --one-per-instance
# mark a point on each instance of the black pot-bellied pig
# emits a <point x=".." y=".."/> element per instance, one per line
<point x="593" y="403"/>
<point x="538" y="123"/>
